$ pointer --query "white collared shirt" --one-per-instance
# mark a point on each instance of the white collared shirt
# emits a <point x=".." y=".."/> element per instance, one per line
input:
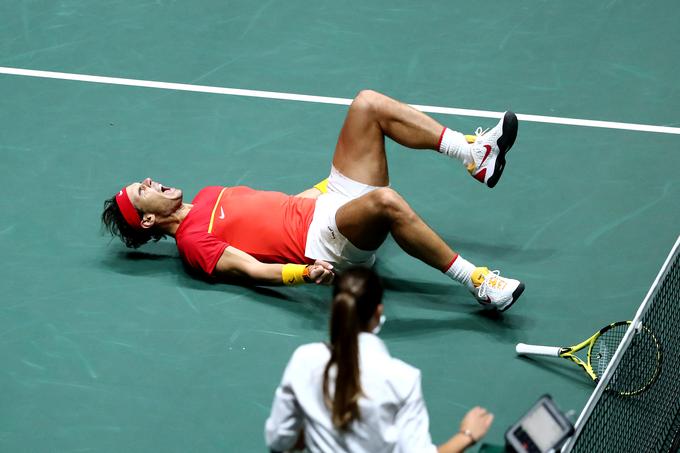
<point x="393" y="414"/>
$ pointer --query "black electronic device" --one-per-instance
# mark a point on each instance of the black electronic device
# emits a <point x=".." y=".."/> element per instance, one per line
<point x="544" y="428"/>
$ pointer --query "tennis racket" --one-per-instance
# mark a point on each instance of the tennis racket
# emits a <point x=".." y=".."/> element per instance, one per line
<point x="634" y="375"/>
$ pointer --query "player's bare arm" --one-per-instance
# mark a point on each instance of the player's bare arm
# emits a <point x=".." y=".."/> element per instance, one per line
<point x="236" y="266"/>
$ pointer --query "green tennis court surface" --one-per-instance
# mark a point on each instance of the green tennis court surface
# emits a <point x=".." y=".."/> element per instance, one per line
<point x="107" y="350"/>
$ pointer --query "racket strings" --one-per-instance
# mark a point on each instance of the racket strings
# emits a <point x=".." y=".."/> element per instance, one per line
<point x="631" y="376"/>
<point x="605" y="346"/>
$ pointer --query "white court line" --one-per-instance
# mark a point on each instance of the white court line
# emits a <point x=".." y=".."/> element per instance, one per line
<point x="329" y="100"/>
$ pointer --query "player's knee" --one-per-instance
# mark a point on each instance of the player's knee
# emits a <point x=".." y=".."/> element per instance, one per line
<point x="366" y="101"/>
<point x="392" y="204"/>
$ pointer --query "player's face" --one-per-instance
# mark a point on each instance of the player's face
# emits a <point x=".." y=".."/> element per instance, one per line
<point x="152" y="197"/>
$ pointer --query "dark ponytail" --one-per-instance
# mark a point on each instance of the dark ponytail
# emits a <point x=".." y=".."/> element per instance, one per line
<point x="356" y="295"/>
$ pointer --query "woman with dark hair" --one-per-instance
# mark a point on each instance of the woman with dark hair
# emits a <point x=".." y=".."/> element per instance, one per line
<point x="351" y="395"/>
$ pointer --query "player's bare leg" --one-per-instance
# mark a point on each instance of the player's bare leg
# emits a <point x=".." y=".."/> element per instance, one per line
<point x="367" y="220"/>
<point x="360" y="151"/>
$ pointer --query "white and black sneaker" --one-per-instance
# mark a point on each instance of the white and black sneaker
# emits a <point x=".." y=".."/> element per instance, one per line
<point x="493" y="291"/>
<point x="489" y="149"/>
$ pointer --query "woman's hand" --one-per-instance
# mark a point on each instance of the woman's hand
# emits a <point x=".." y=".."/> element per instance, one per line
<point x="476" y="423"/>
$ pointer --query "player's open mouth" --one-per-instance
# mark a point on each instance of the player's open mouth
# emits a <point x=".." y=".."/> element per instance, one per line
<point x="169" y="192"/>
<point x="161" y="188"/>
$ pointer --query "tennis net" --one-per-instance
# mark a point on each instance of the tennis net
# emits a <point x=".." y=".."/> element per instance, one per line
<point x="648" y="421"/>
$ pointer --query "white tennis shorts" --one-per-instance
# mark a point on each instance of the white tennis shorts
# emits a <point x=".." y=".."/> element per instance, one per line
<point x="324" y="241"/>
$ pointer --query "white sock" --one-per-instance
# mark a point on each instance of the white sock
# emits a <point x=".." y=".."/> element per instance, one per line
<point x="461" y="270"/>
<point x="455" y="145"/>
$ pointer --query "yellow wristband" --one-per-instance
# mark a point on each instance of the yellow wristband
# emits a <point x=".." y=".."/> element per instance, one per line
<point x="294" y="274"/>
<point x="322" y="186"/>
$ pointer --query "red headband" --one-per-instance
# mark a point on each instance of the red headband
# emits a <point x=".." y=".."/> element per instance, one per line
<point x="128" y="210"/>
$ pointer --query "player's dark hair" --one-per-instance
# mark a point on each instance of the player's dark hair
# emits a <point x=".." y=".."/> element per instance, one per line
<point x="356" y="295"/>
<point x="115" y="223"/>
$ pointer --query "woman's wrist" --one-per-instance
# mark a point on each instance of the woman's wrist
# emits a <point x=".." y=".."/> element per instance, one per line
<point x="468" y="434"/>
<point x="458" y="443"/>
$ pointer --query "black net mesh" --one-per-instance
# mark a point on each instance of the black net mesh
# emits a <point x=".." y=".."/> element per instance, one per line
<point x="648" y="421"/>
<point x="647" y="361"/>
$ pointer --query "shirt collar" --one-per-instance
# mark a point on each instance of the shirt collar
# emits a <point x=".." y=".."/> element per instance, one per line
<point x="372" y="343"/>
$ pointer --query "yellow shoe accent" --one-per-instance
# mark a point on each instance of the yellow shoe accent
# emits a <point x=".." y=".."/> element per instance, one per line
<point x="478" y="133"/>
<point x="495" y="282"/>
<point x="471" y="139"/>
<point x="478" y="276"/>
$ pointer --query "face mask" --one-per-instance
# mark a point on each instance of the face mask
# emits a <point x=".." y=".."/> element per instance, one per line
<point x="376" y="329"/>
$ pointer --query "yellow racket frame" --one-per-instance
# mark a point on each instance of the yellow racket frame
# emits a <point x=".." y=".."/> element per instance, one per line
<point x="569" y="352"/>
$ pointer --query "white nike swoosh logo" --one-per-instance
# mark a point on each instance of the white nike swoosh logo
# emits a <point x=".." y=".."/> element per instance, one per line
<point x="221" y="213"/>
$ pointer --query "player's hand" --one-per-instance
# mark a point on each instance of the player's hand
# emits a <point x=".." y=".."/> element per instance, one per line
<point x="477" y="421"/>
<point x="321" y="272"/>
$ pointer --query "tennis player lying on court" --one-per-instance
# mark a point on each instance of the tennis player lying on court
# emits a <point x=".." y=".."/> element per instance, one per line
<point x="246" y="236"/>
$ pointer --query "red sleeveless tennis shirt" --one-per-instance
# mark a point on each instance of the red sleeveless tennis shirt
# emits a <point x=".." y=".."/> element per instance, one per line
<point x="270" y="226"/>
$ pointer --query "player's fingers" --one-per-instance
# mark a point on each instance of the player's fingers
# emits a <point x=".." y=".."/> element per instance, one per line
<point x="325" y="278"/>
<point x="316" y="273"/>
<point x="319" y="277"/>
<point x="324" y="264"/>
